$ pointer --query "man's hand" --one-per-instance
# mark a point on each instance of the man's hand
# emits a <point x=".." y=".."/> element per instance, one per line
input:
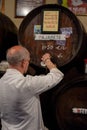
<point x="46" y="59"/>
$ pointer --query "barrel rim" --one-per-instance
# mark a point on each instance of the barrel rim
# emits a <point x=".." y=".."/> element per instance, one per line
<point x="71" y="83"/>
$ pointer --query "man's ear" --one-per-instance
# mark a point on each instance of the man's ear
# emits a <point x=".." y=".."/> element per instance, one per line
<point x="22" y="63"/>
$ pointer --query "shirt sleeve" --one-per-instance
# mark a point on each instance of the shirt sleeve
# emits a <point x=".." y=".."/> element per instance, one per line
<point x="39" y="84"/>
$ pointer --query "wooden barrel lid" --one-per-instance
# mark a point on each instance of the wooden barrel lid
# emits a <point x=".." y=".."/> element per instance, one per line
<point x="62" y="51"/>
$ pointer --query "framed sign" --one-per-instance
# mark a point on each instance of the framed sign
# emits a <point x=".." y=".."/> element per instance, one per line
<point x="78" y="7"/>
<point x="23" y="7"/>
<point x="50" y="21"/>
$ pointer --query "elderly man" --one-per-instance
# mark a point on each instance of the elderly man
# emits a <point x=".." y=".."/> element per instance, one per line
<point x="19" y="95"/>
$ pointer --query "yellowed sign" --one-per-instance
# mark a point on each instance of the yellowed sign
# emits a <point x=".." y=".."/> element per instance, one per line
<point x="50" y="21"/>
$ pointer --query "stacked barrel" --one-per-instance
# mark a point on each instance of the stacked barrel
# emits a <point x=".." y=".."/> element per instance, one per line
<point x="8" y="38"/>
<point x="55" y="29"/>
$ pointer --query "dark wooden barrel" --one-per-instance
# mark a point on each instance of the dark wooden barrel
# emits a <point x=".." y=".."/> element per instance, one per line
<point x="71" y="104"/>
<point x="8" y="35"/>
<point x="63" y="52"/>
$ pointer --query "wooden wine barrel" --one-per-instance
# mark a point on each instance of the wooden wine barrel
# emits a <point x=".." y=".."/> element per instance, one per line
<point x="63" y="51"/>
<point x="8" y="35"/>
<point x="71" y="105"/>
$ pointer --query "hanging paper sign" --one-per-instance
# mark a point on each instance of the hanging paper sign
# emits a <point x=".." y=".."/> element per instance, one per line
<point x="66" y="31"/>
<point x="37" y="29"/>
<point x="50" y="21"/>
<point x="50" y="37"/>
